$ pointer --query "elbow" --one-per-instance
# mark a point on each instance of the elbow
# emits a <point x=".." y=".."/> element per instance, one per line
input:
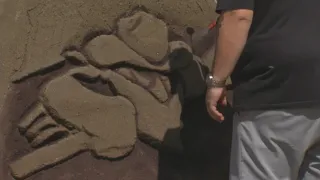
<point x="242" y="15"/>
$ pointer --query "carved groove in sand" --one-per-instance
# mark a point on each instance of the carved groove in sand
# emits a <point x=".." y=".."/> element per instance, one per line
<point x="118" y="91"/>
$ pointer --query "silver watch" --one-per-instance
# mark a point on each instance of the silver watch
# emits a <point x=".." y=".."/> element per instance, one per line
<point x="212" y="82"/>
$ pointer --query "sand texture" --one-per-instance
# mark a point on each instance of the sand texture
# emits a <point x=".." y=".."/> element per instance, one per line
<point x="107" y="90"/>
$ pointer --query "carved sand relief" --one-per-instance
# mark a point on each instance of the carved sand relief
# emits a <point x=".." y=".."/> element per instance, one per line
<point x="119" y="90"/>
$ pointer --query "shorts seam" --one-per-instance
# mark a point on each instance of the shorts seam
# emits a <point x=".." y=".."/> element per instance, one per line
<point x="241" y="176"/>
<point x="239" y="136"/>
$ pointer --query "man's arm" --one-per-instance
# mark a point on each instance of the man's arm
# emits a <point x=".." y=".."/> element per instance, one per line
<point x="232" y="31"/>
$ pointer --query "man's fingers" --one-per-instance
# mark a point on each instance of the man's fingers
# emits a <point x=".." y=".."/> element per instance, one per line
<point x="219" y="116"/>
<point x="215" y="114"/>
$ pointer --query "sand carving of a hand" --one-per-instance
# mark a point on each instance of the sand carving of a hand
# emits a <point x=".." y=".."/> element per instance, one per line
<point x="107" y="122"/>
<point x="67" y="114"/>
<point x="133" y="110"/>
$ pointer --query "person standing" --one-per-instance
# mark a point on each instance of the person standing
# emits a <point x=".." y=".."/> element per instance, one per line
<point x="271" y="51"/>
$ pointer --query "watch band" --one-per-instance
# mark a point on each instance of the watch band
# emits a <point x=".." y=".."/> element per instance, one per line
<point x="212" y="82"/>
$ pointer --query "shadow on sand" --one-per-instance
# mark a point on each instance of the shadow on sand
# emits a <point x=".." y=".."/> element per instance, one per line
<point x="206" y="143"/>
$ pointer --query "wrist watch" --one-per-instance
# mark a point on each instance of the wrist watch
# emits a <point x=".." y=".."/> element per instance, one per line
<point x="214" y="83"/>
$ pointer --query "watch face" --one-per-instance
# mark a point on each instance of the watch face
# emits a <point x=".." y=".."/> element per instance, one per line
<point x="209" y="79"/>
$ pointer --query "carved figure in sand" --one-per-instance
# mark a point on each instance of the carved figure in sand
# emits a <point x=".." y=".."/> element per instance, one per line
<point x="117" y="88"/>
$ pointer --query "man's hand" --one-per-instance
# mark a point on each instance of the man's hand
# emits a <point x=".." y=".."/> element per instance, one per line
<point x="215" y="96"/>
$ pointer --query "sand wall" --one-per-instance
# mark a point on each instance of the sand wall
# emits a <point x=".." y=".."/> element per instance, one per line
<point x="102" y="75"/>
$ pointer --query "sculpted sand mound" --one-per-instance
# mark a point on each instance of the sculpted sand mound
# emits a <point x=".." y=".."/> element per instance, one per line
<point x="88" y="89"/>
<point x="111" y="91"/>
<point x="61" y="113"/>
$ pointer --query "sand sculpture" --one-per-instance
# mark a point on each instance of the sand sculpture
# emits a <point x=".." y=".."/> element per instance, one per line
<point x="117" y="87"/>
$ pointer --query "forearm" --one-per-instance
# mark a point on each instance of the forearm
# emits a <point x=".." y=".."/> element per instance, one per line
<point x="232" y="32"/>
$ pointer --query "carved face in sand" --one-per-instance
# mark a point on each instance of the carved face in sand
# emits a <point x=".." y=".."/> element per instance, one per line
<point x="118" y="91"/>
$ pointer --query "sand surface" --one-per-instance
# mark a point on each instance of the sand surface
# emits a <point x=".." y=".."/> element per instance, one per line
<point x="32" y="36"/>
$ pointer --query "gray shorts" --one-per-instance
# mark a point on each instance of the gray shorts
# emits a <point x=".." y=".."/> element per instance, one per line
<point x="276" y="145"/>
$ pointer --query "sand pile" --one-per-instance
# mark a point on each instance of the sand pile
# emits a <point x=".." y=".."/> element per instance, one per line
<point x="101" y="95"/>
<point x="91" y="90"/>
